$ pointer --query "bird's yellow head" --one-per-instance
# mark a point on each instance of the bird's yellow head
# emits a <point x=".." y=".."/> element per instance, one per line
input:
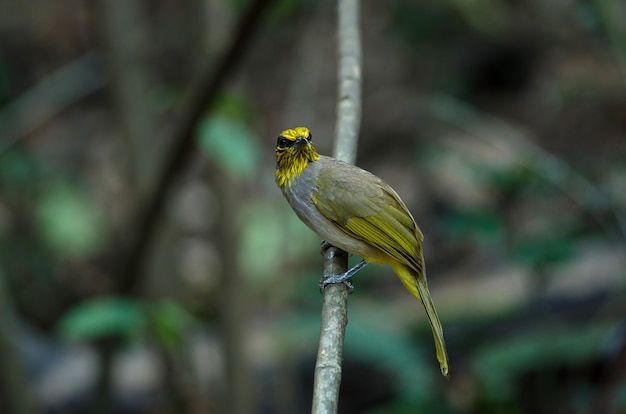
<point x="294" y="152"/>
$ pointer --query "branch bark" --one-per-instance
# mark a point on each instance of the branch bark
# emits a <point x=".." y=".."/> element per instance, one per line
<point x="335" y="307"/>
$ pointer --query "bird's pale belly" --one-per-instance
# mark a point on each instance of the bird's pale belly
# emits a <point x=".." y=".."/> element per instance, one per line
<point x="330" y="232"/>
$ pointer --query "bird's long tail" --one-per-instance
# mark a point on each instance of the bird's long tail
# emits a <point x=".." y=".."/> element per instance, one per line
<point x="417" y="285"/>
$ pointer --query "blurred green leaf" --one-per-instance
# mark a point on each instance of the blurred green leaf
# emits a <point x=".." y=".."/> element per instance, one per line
<point x="544" y="250"/>
<point x="18" y="172"/>
<point x="268" y="232"/>
<point x="230" y="144"/>
<point x="620" y="396"/>
<point x="170" y="322"/>
<point x="512" y="179"/>
<point x="279" y="11"/>
<point x="483" y="225"/>
<point x="164" y="97"/>
<point x="421" y="24"/>
<point x="396" y="353"/>
<point x="486" y="16"/>
<point x="102" y="318"/>
<point x="589" y="16"/>
<point x="261" y="239"/>
<point x="498" y="364"/>
<point x="234" y="107"/>
<point x="70" y="222"/>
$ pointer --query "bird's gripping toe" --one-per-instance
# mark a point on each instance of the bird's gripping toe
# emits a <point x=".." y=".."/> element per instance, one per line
<point x="343" y="278"/>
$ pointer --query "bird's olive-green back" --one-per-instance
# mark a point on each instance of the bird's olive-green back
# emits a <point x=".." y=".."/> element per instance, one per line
<point x="367" y="208"/>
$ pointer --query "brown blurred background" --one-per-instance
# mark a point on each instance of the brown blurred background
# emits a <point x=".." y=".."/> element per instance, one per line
<point x="148" y="270"/>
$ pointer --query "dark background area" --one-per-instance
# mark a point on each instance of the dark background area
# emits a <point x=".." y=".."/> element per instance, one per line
<point x="143" y="274"/>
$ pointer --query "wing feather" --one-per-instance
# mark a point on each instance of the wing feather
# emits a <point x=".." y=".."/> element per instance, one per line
<point x="367" y="208"/>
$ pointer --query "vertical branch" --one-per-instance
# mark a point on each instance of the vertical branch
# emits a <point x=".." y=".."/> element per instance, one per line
<point x="332" y="332"/>
<point x="124" y="39"/>
<point x="335" y="306"/>
<point x="239" y="398"/>
<point x="14" y="387"/>
<point x="349" y="78"/>
<point x="613" y="16"/>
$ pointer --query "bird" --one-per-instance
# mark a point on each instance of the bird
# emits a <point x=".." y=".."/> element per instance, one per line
<point x="356" y="211"/>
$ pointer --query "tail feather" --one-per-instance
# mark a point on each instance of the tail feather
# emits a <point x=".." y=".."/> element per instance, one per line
<point x="417" y="285"/>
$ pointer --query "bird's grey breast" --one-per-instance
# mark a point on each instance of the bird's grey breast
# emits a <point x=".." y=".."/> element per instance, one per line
<point x="299" y="195"/>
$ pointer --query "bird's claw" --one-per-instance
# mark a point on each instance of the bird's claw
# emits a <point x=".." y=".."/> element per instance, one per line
<point x="333" y="279"/>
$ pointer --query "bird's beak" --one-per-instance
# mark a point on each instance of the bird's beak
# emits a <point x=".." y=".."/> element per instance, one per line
<point x="301" y="142"/>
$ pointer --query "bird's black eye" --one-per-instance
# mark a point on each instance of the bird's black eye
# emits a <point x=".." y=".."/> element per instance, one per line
<point x="283" y="142"/>
<point x="310" y="137"/>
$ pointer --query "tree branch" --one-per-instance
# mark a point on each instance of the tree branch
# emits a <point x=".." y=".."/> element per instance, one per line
<point x="349" y="92"/>
<point x="48" y="98"/>
<point x="335" y="306"/>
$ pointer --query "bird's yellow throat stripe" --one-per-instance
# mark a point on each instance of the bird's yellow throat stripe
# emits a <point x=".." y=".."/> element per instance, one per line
<point x="291" y="163"/>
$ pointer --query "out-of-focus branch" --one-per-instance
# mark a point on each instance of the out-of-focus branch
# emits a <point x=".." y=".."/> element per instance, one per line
<point x="335" y="307"/>
<point x="17" y="395"/>
<point x="495" y="131"/>
<point x="48" y="98"/>
<point x="183" y="142"/>
<point x="613" y="15"/>
<point x="123" y="34"/>
<point x="239" y="398"/>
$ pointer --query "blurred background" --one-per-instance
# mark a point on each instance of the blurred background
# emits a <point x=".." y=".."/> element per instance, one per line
<point x="146" y="268"/>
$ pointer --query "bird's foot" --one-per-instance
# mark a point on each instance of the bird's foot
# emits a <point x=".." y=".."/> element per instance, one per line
<point x="343" y="278"/>
<point x="333" y="279"/>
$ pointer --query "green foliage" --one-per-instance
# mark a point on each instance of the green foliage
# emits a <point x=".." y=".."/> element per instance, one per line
<point x="18" y="174"/>
<point x="102" y="318"/>
<point x="588" y="15"/>
<point x="542" y="250"/>
<point x="620" y="396"/>
<point x="164" y="97"/>
<point x="235" y="107"/>
<point x="230" y="144"/>
<point x="267" y="238"/>
<point x="169" y="322"/>
<point x="433" y="23"/>
<point x="497" y="365"/>
<point x="418" y="23"/>
<point x="280" y="10"/>
<point x="239" y="4"/>
<point x="500" y="193"/>
<point x="485" y="16"/>
<point x="396" y="354"/>
<point x="483" y="225"/>
<point x="165" y="321"/>
<point x="69" y="222"/>
<point x="509" y="180"/>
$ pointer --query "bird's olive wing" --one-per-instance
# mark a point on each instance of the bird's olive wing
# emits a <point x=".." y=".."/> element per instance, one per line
<point x="365" y="207"/>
